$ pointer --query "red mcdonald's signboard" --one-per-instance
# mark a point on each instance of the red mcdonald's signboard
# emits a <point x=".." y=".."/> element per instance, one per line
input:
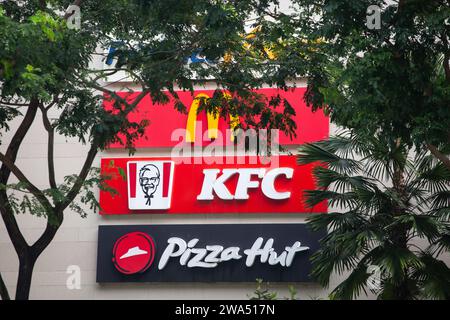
<point x="165" y="119"/>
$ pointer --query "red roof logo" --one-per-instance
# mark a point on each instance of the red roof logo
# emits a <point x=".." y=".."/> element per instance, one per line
<point x="133" y="253"/>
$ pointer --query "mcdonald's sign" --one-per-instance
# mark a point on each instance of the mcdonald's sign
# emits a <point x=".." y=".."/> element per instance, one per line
<point x="213" y="120"/>
<point x="165" y="119"/>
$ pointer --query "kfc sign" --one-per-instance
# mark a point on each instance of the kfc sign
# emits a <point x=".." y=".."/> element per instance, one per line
<point x="185" y="185"/>
<point x="274" y="252"/>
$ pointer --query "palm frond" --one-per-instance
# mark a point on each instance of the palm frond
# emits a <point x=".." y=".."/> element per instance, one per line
<point x="434" y="278"/>
<point x="442" y="214"/>
<point x="342" y="182"/>
<point x="335" y="199"/>
<point x="346" y="144"/>
<point x="434" y="178"/>
<point x="341" y="250"/>
<point x="336" y="220"/>
<point x="440" y="199"/>
<point x="424" y="225"/>
<point x="310" y="153"/>
<point x="377" y="168"/>
<point x="440" y="245"/>
<point x="396" y="261"/>
<point x="338" y="258"/>
<point x="353" y="285"/>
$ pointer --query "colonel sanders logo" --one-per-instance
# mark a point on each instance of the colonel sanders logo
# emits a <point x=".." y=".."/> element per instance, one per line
<point x="149" y="178"/>
<point x="149" y="184"/>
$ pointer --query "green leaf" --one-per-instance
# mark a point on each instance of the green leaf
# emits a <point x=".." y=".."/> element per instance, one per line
<point x="122" y="173"/>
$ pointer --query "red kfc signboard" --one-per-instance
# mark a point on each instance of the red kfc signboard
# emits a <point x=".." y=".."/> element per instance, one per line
<point x="210" y="185"/>
<point x="169" y="128"/>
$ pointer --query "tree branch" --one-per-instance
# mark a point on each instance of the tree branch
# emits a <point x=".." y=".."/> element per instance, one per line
<point x="442" y="157"/>
<point x="27" y="183"/>
<point x="447" y="67"/>
<point x="13" y="104"/>
<point x="94" y="149"/>
<point x="47" y="236"/>
<point x="3" y="290"/>
<point x="16" y="141"/>
<point x="80" y="179"/>
<point x="446" y="61"/>
<point x="19" y="242"/>
<point x="67" y="15"/>
<point x="51" y="104"/>
<point x="50" y="147"/>
<point x="129" y="107"/>
<point x="51" y="229"/>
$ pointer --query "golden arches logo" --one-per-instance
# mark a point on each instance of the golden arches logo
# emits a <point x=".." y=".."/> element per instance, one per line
<point x="213" y="119"/>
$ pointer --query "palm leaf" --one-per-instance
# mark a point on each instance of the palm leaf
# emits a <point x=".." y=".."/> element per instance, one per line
<point x="336" y="220"/>
<point x="440" y="199"/>
<point x="353" y="285"/>
<point x="343" y="182"/>
<point x="435" y="178"/>
<point x="396" y="261"/>
<point x="440" y="245"/>
<point x="346" y="200"/>
<point x="346" y="144"/>
<point x="310" y="153"/>
<point x="434" y="277"/>
<point x="424" y="225"/>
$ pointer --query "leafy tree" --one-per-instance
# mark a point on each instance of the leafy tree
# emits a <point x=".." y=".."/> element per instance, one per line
<point x="46" y="67"/>
<point x="383" y="199"/>
<point x="394" y="79"/>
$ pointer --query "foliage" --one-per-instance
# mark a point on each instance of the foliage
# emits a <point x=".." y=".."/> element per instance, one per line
<point x="262" y="292"/>
<point x="394" y="79"/>
<point x="389" y="208"/>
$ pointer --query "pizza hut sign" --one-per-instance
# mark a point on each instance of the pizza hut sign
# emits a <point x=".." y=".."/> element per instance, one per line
<point x="276" y="252"/>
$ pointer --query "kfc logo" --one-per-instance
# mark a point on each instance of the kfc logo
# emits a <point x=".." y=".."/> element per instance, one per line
<point x="150" y="185"/>
<point x="133" y="253"/>
<point x="149" y="178"/>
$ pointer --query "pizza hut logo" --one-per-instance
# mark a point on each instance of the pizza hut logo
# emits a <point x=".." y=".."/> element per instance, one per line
<point x="150" y="184"/>
<point x="133" y="253"/>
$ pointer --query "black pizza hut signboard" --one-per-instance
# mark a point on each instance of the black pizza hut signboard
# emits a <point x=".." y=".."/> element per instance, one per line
<point x="205" y="253"/>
